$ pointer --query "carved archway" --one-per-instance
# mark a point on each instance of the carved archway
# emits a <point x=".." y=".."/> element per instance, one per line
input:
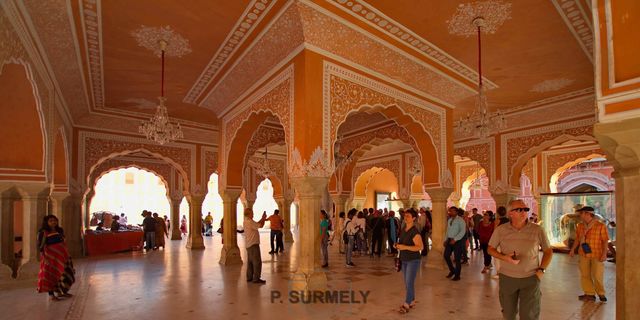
<point x="348" y="171"/>
<point x="348" y="92"/>
<point x="554" y="179"/>
<point x="423" y="141"/>
<point x="597" y="180"/>
<point x="178" y="167"/>
<point x="516" y="169"/>
<point x="239" y="146"/>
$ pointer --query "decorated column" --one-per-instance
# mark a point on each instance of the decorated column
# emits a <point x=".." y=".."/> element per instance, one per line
<point x="230" y="252"/>
<point x="339" y="200"/>
<point x="194" y="238"/>
<point x="175" y="218"/>
<point x="57" y="207"/>
<point x="7" y="200"/>
<point x="284" y="203"/>
<point x="618" y="130"/>
<point x="439" y="198"/>
<point x="74" y="227"/>
<point x="34" y="209"/>
<point x="621" y="143"/>
<point x="308" y="276"/>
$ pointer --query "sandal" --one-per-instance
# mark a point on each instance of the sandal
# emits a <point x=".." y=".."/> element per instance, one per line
<point x="404" y="309"/>
<point x="413" y="304"/>
<point x="54" y="298"/>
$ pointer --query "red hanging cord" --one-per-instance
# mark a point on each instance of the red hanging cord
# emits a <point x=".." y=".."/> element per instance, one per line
<point x="162" y="78"/>
<point x="479" y="60"/>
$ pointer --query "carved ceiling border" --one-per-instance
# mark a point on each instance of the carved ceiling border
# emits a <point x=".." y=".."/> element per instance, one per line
<point x="579" y="23"/>
<point x="246" y="24"/>
<point x="395" y="30"/>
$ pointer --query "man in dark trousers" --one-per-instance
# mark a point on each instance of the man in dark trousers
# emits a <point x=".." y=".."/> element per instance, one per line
<point x="377" y="223"/>
<point x="149" y="228"/>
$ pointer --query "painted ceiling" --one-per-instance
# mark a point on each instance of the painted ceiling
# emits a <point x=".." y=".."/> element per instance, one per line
<point x="101" y="52"/>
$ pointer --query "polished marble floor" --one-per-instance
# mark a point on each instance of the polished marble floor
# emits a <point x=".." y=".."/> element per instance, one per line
<point x="182" y="284"/>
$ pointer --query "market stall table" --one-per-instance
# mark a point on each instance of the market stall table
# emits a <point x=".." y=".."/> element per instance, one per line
<point x="109" y="242"/>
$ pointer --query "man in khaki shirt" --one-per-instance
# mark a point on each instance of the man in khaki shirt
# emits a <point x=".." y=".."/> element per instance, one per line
<point x="520" y="242"/>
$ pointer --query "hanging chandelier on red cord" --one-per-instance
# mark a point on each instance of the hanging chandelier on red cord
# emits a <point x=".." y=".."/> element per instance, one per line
<point x="481" y="123"/>
<point x="158" y="128"/>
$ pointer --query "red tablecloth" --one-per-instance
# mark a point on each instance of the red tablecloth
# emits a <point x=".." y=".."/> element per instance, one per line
<point x="105" y="243"/>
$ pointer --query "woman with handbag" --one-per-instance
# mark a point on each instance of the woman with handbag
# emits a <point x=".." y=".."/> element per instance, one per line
<point x="409" y="244"/>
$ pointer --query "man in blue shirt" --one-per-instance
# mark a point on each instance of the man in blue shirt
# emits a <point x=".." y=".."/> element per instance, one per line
<point x="456" y="230"/>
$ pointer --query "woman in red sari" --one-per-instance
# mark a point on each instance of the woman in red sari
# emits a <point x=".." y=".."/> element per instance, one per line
<point x="56" y="269"/>
<point x="183" y="225"/>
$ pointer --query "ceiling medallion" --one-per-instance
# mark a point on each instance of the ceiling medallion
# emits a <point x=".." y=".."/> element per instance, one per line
<point x="493" y="12"/>
<point x="481" y="123"/>
<point x="158" y="128"/>
<point x="551" y="85"/>
<point x="149" y="37"/>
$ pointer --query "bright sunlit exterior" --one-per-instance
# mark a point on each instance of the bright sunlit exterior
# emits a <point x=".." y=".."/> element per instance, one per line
<point x="130" y="191"/>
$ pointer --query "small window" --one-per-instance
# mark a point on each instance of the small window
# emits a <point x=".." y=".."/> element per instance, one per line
<point x="128" y="178"/>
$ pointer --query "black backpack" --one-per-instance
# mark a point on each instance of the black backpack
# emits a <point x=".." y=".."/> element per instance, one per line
<point x="345" y="236"/>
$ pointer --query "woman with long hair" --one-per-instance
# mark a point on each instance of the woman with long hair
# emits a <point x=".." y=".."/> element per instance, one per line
<point x="56" y="268"/>
<point x="409" y="244"/>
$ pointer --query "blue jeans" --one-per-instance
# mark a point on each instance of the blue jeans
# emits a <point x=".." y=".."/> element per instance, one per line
<point x="409" y="272"/>
<point x="350" y="248"/>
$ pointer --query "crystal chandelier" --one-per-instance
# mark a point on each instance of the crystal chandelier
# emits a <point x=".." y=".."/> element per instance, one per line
<point x="158" y="128"/>
<point x="263" y="169"/>
<point x="481" y="123"/>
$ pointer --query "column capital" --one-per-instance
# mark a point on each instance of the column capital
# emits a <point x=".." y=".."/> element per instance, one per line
<point x="439" y="194"/>
<point x="342" y="197"/>
<point x="230" y="194"/>
<point x="199" y="198"/>
<point x="309" y="186"/>
<point x="620" y="142"/>
<point x="31" y="190"/>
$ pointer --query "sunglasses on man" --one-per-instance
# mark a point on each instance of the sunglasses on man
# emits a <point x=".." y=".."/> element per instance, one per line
<point x="520" y="209"/>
